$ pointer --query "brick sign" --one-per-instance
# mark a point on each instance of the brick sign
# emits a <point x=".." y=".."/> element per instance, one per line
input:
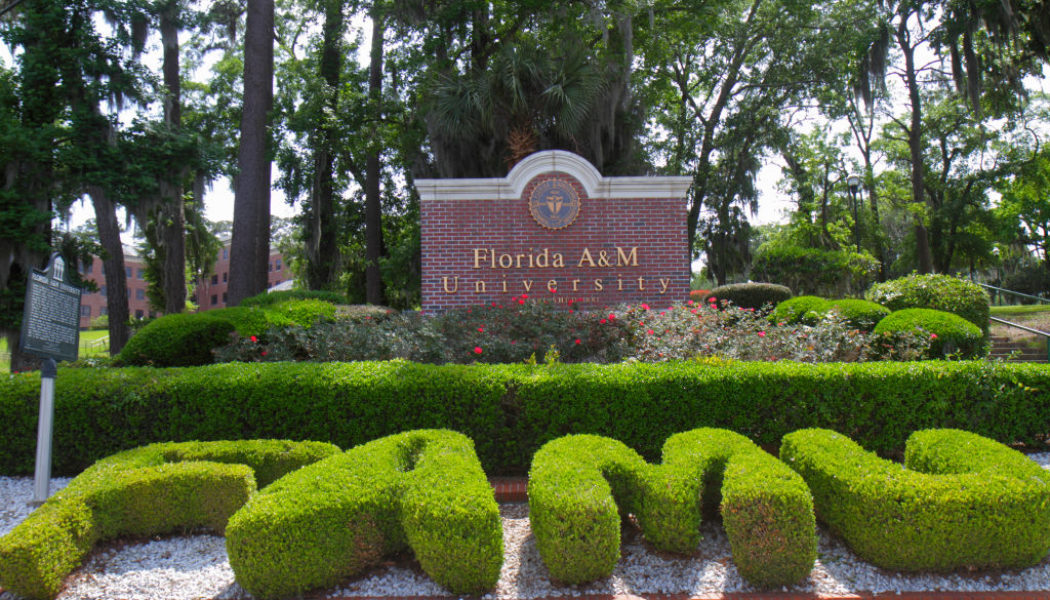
<point x="554" y="228"/>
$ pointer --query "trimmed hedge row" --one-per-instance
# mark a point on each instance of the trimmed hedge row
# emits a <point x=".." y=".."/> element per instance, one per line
<point x="155" y="489"/>
<point x="580" y="486"/>
<point x="959" y="500"/>
<point x="953" y="334"/>
<point x="512" y="410"/>
<point x="423" y="490"/>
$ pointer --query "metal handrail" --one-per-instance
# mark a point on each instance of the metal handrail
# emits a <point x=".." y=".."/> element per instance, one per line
<point x="1004" y="290"/>
<point x="1028" y="329"/>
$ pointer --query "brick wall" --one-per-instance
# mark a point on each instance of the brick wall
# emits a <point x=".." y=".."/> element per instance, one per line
<point x="488" y="243"/>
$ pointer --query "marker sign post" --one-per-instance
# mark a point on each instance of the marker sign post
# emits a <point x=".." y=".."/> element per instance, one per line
<point x="50" y="330"/>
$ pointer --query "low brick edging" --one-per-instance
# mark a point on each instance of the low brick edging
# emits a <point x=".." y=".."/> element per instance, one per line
<point x="510" y="489"/>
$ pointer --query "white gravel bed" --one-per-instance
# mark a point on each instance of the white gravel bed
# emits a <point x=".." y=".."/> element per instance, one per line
<point x="194" y="567"/>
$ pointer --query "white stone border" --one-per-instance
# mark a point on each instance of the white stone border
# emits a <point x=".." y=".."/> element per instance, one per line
<point x="553" y="161"/>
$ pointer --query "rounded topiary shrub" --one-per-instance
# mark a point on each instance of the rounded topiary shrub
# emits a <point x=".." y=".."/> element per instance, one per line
<point x="795" y="310"/>
<point x="859" y="314"/>
<point x="940" y="292"/>
<point x="271" y="298"/>
<point x="949" y="334"/>
<point x="247" y="320"/>
<point x="181" y="340"/>
<point x="750" y="295"/>
<point x="303" y="313"/>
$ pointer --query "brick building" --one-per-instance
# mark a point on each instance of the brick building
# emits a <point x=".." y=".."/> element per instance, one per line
<point x="209" y="294"/>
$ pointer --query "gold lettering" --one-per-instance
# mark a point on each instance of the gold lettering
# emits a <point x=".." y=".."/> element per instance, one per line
<point x="619" y="283"/>
<point x="492" y="257"/>
<point x="504" y="283"/>
<point x="519" y="260"/>
<point x="543" y="258"/>
<point x="559" y="260"/>
<point x="626" y="260"/>
<point x="479" y="256"/>
<point x="510" y="261"/>
<point x="479" y="286"/>
<point x="574" y="282"/>
<point x="527" y="283"/>
<point x="640" y="284"/>
<point x="586" y="256"/>
<point x="552" y="285"/>
<point x="444" y="283"/>
<point x="603" y="258"/>
<point x="663" y="285"/>
<point x="598" y="285"/>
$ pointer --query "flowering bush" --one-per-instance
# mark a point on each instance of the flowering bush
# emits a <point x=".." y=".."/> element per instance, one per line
<point x="686" y="332"/>
<point x="503" y="333"/>
<point x="527" y="330"/>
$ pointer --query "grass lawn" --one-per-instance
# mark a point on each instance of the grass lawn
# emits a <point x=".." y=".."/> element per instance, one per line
<point x="89" y="346"/>
<point x="1005" y="311"/>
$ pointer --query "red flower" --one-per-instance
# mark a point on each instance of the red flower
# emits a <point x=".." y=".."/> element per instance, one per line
<point x="521" y="301"/>
<point x="933" y="336"/>
<point x="477" y="349"/>
<point x="690" y="303"/>
<point x="264" y="352"/>
<point x="253" y="338"/>
<point x="612" y="317"/>
<point x="577" y="342"/>
<point x="650" y="331"/>
<point x="761" y="334"/>
<point x="602" y="321"/>
<point x="645" y="306"/>
<point x="712" y="299"/>
<point x="525" y="296"/>
<point x="481" y="330"/>
<point x="493" y="304"/>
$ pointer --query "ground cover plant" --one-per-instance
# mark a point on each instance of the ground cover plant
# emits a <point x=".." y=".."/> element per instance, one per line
<point x="581" y="486"/>
<point x="150" y="490"/>
<point x="958" y="501"/>
<point x="423" y="490"/>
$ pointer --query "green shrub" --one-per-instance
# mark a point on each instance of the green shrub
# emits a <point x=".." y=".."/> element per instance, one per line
<point x="815" y="271"/>
<point x="750" y="295"/>
<point x="949" y="334"/>
<point x="512" y="410"/>
<point x="580" y="485"/>
<point x="939" y="292"/>
<point x="959" y="501"/>
<point x="1033" y="280"/>
<point x="179" y="340"/>
<point x="146" y="491"/>
<point x="423" y="490"/>
<point x="248" y="321"/>
<point x="271" y="298"/>
<point x="301" y="313"/>
<point x="794" y="310"/>
<point x="859" y="314"/>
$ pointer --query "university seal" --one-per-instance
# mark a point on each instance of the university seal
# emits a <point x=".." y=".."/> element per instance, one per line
<point x="554" y="204"/>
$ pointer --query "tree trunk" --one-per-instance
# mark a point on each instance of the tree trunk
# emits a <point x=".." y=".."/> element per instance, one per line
<point x="113" y="265"/>
<point x="922" y="241"/>
<point x="320" y="243"/>
<point x="250" y="249"/>
<point x="373" y="209"/>
<point x="171" y="218"/>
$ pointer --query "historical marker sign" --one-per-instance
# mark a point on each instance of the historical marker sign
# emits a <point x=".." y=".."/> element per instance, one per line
<point x="51" y="321"/>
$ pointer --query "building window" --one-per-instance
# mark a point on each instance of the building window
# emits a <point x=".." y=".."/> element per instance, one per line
<point x="127" y="270"/>
<point x="225" y="253"/>
<point x="140" y="294"/>
<point x="224" y="276"/>
<point x="214" y="299"/>
<point x="139" y="314"/>
<point x="271" y="267"/>
<point x="102" y="290"/>
<point x="103" y="311"/>
<point x="141" y="273"/>
<point x="278" y="264"/>
<point x="88" y="267"/>
<point x="224" y="297"/>
<point x="214" y="279"/>
<point x="85" y="310"/>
